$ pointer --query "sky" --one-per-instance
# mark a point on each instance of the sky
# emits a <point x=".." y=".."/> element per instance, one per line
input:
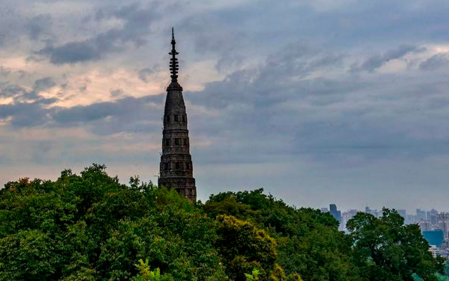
<point x="317" y="102"/>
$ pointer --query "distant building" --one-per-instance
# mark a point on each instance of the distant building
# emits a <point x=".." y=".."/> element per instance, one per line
<point x="444" y="249"/>
<point x="410" y="219"/>
<point x="425" y="225"/>
<point x="372" y="212"/>
<point x="434" y="250"/>
<point x="434" y="237"/>
<point x="444" y="226"/>
<point x="346" y="216"/>
<point x="334" y="212"/>
<point x="421" y="215"/>
<point x="403" y="213"/>
<point x="324" y="210"/>
<point x="433" y="219"/>
<point x="443" y="216"/>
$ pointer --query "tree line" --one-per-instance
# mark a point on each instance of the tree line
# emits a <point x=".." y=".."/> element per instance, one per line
<point x="91" y="227"/>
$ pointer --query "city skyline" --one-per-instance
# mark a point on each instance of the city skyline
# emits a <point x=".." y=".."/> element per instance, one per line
<point x="379" y="209"/>
<point x="312" y="101"/>
<point x="434" y="225"/>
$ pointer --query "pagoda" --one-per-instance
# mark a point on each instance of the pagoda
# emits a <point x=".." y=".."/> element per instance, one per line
<point x="176" y="168"/>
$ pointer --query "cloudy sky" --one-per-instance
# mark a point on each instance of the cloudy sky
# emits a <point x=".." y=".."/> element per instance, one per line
<point x="318" y="102"/>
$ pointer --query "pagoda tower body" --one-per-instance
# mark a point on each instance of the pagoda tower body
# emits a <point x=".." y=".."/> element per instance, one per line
<point x="176" y="169"/>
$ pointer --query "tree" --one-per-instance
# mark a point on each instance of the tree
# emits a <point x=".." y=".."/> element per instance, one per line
<point x="307" y="241"/>
<point x="91" y="227"/>
<point x="246" y="248"/>
<point x="387" y="250"/>
<point x="146" y="274"/>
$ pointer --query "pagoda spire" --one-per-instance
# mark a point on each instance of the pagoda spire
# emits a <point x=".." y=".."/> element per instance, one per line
<point x="174" y="65"/>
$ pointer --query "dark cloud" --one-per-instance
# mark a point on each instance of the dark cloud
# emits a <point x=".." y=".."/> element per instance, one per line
<point x="229" y="61"/>
<point x="251" y="28"/>
<point x="10" y="25"/>
<point x="134" y="115"/>
<point x="435" y="62"/>
<point x="30" y="96"/>
<point x="74" y="52"/>
<point x="369" y="24"/>
<point x="28" y="109"/>
<point x="43" y="84"/>
<point x="8" y="91"/>
<point x="136" y="23"/>
<point x="26" y="114"/>
<point x="377" y="61"/>
<point x="261" y="86"/>
<point x="19" y="94"/>
<point x="39" y="26"/>
<point x="287" y="106"/>
<point x="85" y="114"/>
<point x="210" y="34"/>
<point x="117" y="93"/>
<point x="214" y="36"/>
<point x="128" y="114"/>
<point x="145" y="74"/>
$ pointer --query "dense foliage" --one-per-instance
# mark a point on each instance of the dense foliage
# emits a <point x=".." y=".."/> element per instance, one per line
<point x="91" y="227"/>
<point x="395" y="251"/>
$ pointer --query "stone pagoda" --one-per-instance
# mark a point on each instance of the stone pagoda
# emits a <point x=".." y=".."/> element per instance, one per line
<point x="176" y="169"/>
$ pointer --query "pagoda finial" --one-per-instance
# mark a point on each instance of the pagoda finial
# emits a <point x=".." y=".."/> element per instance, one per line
<point x="174" y="65"/>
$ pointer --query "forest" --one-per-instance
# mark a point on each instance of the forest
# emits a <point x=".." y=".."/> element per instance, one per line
<point x="89" y="226"/>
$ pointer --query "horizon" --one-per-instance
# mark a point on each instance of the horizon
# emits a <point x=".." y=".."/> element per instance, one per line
<point x="317" y="103"/>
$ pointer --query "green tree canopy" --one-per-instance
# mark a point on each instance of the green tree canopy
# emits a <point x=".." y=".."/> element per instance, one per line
<point x="308" y="241"/>
<point x="245" y="248"/>
<point x="386" y="249"/>
<point x="91" y="227"/>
